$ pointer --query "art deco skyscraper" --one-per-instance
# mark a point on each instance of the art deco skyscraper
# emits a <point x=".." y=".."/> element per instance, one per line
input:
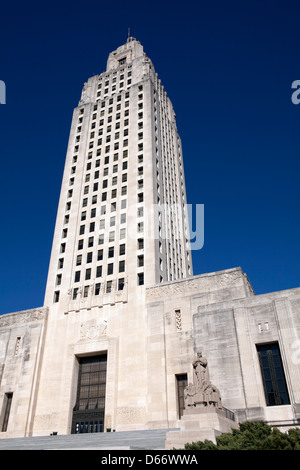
<point x="114" y="345"/>
<point x="120" y="222"/>
<point x="121" y="228"/>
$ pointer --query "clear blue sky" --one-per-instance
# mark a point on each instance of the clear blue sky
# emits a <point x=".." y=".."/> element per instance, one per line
<point x="239" y="128"/>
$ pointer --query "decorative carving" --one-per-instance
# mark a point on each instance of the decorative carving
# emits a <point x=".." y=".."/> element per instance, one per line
<point x="201" y="392"/>
<point x="24" y="316"/>
<point x="178" y="320"/>
<point x="92" y="330"/>
<point x="130" y="415"/>
<point x="201" y="284"/>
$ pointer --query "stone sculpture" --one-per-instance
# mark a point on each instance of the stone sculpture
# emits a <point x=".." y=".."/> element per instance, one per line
<point x="201" y="392"/>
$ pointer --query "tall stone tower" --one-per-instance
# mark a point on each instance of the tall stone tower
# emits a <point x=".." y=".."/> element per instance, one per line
<point x="121" y="221"/>
<point x="113" y="346"/>
<point x="121" y="227"/>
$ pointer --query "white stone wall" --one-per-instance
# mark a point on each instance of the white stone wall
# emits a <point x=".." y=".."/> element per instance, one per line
<point x="21" y="351"/>
<point x="228" y="333"/>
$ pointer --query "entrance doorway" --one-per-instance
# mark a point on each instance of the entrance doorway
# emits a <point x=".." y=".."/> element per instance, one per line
<point x="89" y="411"/>
<point x="181" y="383"/>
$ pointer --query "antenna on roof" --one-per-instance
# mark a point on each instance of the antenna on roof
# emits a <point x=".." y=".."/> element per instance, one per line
<point x="128" y="33"/>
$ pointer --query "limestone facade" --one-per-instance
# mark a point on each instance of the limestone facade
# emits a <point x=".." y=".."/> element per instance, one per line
<point x="148" y="349"/>
<point x="121" y="289"/>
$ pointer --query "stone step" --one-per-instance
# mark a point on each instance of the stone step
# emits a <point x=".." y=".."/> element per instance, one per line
<point x="141" y="439"/>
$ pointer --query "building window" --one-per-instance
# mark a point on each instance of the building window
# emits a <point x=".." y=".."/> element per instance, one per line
<point x="108" y="286"/>
<point x="99" y="271"/>
<point x="77" y="276"/>
<point x="86" y="291"/>
<point x="56" y="296"/>
<point x="121" y="282"/>
<point x="110" y="268"/>
<point x="97" y="288"/>
<point x="122" y="233"/>
<point x="88" y="273"/>
<point x="111" y="251"/>
<point x="121" y="266"/>
<point x="140" y="279"/>
<point x="75" y="292"/>
<point x="275" y="387"/>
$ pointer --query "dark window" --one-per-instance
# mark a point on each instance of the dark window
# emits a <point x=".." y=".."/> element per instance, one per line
<point x="110" y="268"/>
<point x="99" y="271"/>
<point x="7" y="407"/>
<point x="275" y="388"/>
<point x="140" y="279"/>
<point x="181" y="383"/>
<point x="56" y="296"/>
<point x="111" y="251"/>
<point x="97" y="288"/>
<point x="121" y="282"/>
<point x="121" y="266"/>
<point x="88" y="273"/>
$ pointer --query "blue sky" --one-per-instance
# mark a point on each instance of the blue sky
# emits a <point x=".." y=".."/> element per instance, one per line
<point x="239" y="128"/>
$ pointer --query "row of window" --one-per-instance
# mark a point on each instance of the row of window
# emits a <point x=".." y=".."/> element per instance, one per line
<point x="92" y="212"/>
<point x="108" y="84"/>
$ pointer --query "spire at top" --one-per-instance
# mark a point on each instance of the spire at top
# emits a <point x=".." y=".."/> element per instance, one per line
<point x="129" y="37"/>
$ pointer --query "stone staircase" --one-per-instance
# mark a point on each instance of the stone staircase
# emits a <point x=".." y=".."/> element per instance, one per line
<point x="135" y="440"/>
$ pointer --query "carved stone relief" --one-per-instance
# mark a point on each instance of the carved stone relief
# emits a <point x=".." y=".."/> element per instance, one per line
<point x="93" y="329"/>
